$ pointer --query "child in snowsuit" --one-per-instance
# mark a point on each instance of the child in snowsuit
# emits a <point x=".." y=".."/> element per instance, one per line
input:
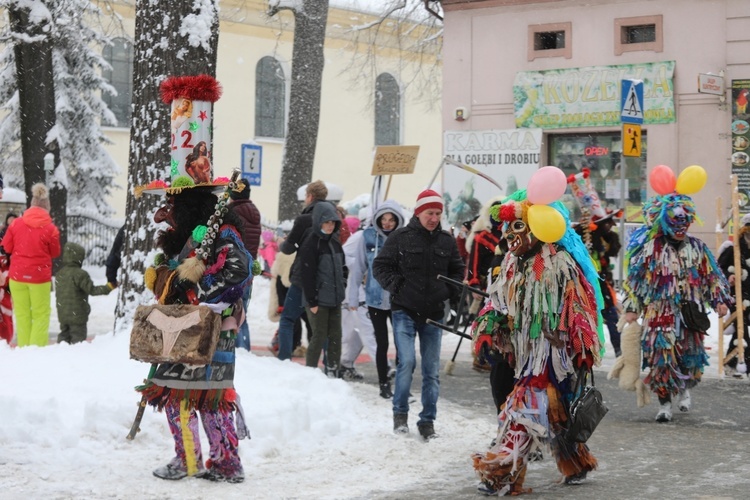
<point x="73" y="286"/>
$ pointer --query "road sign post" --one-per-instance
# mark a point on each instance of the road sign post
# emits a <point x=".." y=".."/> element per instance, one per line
<point x="252" y="162"/>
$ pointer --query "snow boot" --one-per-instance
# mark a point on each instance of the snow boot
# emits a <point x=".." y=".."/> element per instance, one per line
<point x="399" y="423"/>
<point x="665" y="412"/>
<point x="685" y="401"/>
<point x="427" y="431"/>
<point x="350" y="374"/>
<point x="173" y="471"/>
<point x="385" y="391"/>
<point x="215" y="476"/>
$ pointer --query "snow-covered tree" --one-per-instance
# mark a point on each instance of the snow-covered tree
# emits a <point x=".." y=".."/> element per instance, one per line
<point x="171" y="39"/>
<point x="53" y="53"/>
<point x="310" y="18"/>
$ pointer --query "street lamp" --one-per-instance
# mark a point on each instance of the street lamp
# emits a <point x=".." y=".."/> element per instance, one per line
<point x="49" y="166"/>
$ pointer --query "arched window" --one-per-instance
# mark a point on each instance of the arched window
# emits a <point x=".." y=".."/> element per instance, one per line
<point x="120" y="56"/>
<point x="387" y="111"/>
<point x="270" y="98"/>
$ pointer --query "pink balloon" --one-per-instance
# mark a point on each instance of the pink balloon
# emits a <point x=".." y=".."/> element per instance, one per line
<point x="547" y="184"/>
<point x="662" y="179"/>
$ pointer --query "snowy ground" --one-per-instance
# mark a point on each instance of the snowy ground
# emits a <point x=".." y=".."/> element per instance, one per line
<point x="65" y="411"/>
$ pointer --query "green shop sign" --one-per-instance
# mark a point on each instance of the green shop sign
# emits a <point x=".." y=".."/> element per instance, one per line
<point x="590" y="97"/>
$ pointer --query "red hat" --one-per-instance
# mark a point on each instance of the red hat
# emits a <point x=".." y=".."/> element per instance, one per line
<point x="428" y="199"/>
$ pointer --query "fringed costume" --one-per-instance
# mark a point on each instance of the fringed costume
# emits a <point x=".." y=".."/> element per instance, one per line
<point x="554" y="330"/>
<point x="666" y="268"/>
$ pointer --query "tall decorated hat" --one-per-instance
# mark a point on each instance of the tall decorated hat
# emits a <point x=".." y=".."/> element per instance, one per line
<point x="588" y="199"/>
<point x="191" y="101"/>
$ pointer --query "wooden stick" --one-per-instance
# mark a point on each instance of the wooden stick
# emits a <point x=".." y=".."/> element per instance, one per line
<point x="738" y="272"/>
<point x="722" y="323"/>
<point x="388" y="187"/>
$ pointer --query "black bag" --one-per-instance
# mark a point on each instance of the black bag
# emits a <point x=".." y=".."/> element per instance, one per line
<point x="694" y="317"/>
<point x="586" y="410"/>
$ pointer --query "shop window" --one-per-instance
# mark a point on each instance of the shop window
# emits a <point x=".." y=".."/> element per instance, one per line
<point x="550" y="40"/>
<point x="120" y="56"/>
<point x="638" y="34"/>
<point x="270" y="99"/>
<point x="387" y="111"/>
<point x="602" y="155"/>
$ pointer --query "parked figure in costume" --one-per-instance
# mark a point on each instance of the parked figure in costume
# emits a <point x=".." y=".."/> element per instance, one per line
<point x="726" y="263"/>
<point x="487" y="247"/>
<point x="670" y="272"/>
<point x="215" y="276"/>
<point x="549" y="292"/>
<point x="596" y="229"/>
<point x="182" y="390"/>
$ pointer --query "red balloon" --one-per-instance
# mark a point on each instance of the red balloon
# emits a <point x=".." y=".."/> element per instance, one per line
<point x="662" y="179"/>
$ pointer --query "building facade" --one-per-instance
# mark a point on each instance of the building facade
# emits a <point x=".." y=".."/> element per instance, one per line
<point x="558" y="66"/>
<point x="254" y="69"/>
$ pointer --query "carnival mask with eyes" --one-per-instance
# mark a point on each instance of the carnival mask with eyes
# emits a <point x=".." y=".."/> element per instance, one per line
<point x="678" y="224"/>
<point x="519" y="237"/>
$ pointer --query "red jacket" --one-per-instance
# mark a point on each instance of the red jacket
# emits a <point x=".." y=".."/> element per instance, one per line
<point x="32" y="241"/>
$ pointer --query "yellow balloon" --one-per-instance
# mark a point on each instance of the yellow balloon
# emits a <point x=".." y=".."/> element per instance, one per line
<point x="546" y="223"/>
<point x="691" y="180"/>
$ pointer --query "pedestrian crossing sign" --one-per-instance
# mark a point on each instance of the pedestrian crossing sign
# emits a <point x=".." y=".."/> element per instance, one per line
<point x="631" y="93"/>
<point x="631" y="139"/>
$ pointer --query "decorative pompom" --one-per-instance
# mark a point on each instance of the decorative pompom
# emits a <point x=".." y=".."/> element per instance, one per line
<point x="199" y="233"/>
<point x="182" y="181"/>
<point x="730" y="269"/>
<point x="586" y="172"/>
<point x="39" y="191"/>
<point x="191" y="269"/>
<point x="507" y="212"/>
<point x="197" y="88"/>
<point x="149" y="278"/>
<point x="159" y="259"/>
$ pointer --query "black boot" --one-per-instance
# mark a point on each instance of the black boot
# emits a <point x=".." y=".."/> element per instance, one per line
<point x="427" y="431"/>
<point x="385" y="390"/>
<point x="399" y="423"/>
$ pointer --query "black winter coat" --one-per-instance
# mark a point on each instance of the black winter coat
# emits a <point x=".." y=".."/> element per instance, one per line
<point x="408" y="266"/>
<point x="302" y="223"/>
<point x="319" y="267"/>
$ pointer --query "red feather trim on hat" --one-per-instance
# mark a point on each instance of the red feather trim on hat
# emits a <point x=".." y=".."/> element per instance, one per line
<point x="197" y="88"/>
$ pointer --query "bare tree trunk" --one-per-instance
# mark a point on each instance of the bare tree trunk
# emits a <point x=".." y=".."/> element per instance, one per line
<point x="304" y="102"/>
<point x="160" y="52"/>
<point x="36" y="93"/>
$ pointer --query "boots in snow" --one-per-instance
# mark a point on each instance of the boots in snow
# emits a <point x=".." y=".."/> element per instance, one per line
<point x="385" y="391"/>
<point x="175" y="470"/>
<point x="427" y="431"/>
<point x="399" y="423"/>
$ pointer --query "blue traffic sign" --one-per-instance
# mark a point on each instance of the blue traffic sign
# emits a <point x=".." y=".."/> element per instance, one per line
<point x="252" y="162"/>
<point x="631" y="98"/>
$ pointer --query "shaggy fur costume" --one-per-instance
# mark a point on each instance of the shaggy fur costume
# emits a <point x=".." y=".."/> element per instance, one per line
<point x="627" y="367"/>
<point x="281" y="269"/>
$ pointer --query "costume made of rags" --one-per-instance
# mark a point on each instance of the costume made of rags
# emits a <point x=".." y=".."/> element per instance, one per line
<point x="553" y="324"/>
<point x="214" y="276"/>
<point x="662" y="274"/>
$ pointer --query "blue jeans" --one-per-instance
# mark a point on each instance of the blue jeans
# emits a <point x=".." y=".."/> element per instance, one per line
<point x="243" y="336"/>
<point x="293" y="309"/>
<point x="405" y="331"/>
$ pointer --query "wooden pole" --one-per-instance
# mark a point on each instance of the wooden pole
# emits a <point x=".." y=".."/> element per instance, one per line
<point x="738" y="273"/>
<point x="388" y="187"/>
<point x="719" y="241"/>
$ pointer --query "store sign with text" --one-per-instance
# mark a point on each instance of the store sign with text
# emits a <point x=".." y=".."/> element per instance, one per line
<point x="590" y="96"/>
<point x="509" y="157"/>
